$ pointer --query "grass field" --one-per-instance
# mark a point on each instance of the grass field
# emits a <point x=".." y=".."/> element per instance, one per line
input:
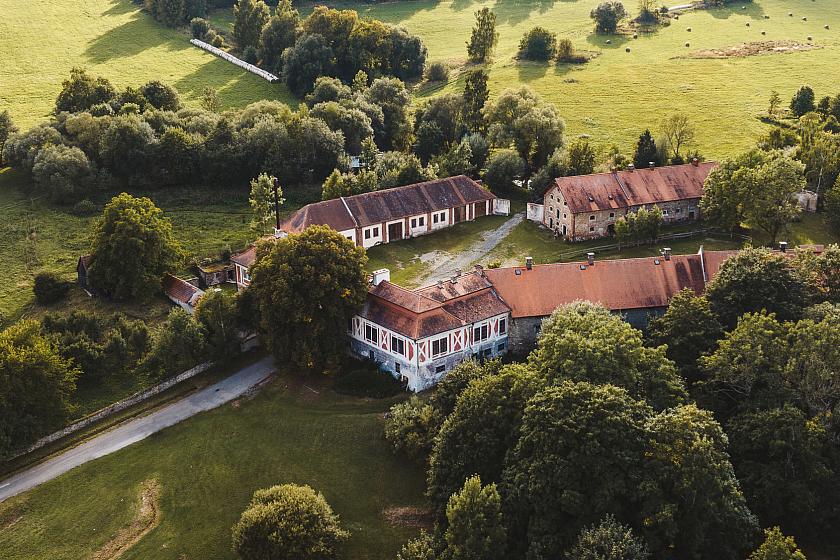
<point x="41" y="40"/>
<point x="208" y="467"/>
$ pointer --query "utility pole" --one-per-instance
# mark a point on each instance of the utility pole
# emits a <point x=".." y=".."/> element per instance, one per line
<point x="276" y="205"/>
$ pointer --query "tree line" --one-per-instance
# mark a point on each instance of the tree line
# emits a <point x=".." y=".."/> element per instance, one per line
<point x="681" y="442"/>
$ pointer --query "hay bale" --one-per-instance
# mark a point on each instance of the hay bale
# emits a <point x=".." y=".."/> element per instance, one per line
<point x="688" y="29"/>
<point x="804" y="19"/>
<point x="636" y="35"/>
<point x="688" y="44"/>
<point x="627" y="49"/>
<point x="790" y="14"/>
<point x="748" y="24"/>
<point x="764" y="33"/>
<point x="825" y="26"/>
<point x="810" y="38"/>
<point x="609" y="41"/>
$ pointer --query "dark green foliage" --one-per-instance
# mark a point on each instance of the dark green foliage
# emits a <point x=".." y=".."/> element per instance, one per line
<point x="352" y="122"/>
<point x="174" y="13"/>
<point x="479" y="150"/>
<point x="832" y="205"/>
<point x="161" y="96"/>
<point x="394" y="99"/>
<point x="585" y="342"/>
<point x="802" y="101"/>
<point x="646" y="151"/>
<point x="277" y="35"/>
<point x="249" y="17"/>
<point x="49" y="288"/>
<point x="484" y="36"/>
<point x="7" y="128"/>
<point x="437" y="72"/>
<point x="538" y="44"/>
<point x="250" y="55"/>
<point x="101" y="347"/>
<point x="132" y="248"/>
<point x="82" y="91"/>
<point x="504" y="168"/>
<point x="218" y="314"/>
<point x="288" y="522"/>
<point x="580" y="157"/>
<point x="308" y="286"/>
<point x="475" y="530"/>
<point x="199" y="27"/>
<point x="429" y="140"/>
<point x="310" y="58"/>
<point x="607" y="16"/>
<point x="476" y="94"/>
<point x="370" y="382"/>
<point x="455" y="161"/>
<point x="753" y="280"/>
<point x="35" y="386"/>
<point x="178" y="344"/>
<point x="608" y="540"/>
<point x="411" y="427"/>
<point x="63" y="173"/>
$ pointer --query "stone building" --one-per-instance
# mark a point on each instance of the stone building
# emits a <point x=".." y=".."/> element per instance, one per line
<point x="587" y="206"/>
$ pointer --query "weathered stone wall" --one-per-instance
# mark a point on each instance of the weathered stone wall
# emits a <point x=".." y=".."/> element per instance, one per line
<point x="524" y="332"/>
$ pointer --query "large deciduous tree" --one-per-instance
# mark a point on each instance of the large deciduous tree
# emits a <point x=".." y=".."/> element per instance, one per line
<point x="308" y="286"/>
<point x="133" y="247"/>
<point x="802" y="101"/>
<point x="279" y="33"/>
<point x="475" y="97"/>
<point x="7" y="128"/>
<point x="646" y="151"/>
<point x="82" y="91"/>
<point x="249" y="17"/>
<point x="607" y="16"/>
<point x="679" y="132"/>
<point x="475" y="530"/>
<point x="288" y="522"/>
<point x="608" y="540"/>
<point x="484" y="36"/>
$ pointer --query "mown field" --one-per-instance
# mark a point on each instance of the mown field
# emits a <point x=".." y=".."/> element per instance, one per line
<point x="41" y="40"/>
<point x="207" y="469"/>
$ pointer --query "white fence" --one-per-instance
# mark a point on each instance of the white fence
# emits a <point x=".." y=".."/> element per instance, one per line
<point x="233" y="60"/>
<point x="103" y="413"/>
<point x="501" y="206"/>
<point x="535" y="212"/>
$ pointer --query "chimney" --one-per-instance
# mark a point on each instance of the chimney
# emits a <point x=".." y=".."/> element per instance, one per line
<point x="651" y="165"/>
<point x="666" y="252"/>
<point x="458" y="272"/>
<point x="529" y="263"/>
<point x="440" y="284"/>
<point x="783" y="246"/>
<point x="695" y="162"/>
<point x="590" y="258"/>
<point x="631" y="168"/>
<point x="454" y="279"/>
<point x="378" y="276"/>
<point x="479" y="270"/>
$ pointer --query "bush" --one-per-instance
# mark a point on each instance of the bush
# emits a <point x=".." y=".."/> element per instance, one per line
<point x="199" y="27"/>
<point x="49" y="288"/>
<point x="437" y="72"/>
<point x="84" y="208"/>
<point x="371" y="383"/>
<point x="249" y="55"/>
<point x="411" y="427"/>
<point x="607" y="15"/>
<point x="505" y="166"/>
<point x="218" y="42"/>
<point x="538" y="44"/>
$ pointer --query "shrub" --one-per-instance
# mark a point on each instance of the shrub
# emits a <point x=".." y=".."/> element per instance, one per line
<point x="249" y="55"/>
<point x="411" y="428"/>
<point x="199" y="27"/>
<point x="538" y="44"/>
<point x="218" y="42"/>
<point x="101" y="110"/>
<point x="565" y="49"/>
<point x="607" y="15"/>
<point x="84" y="208"/>
<point x="49" y="288"/>
<point x="437" y="72"/>
<point x="370" y="383"/>
<point x="504" y="168"/>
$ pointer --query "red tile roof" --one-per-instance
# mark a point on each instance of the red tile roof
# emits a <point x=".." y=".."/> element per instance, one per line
<point x="180" y="290"/>
<point x="371" y="208"/>
<point x="245" y="258"/>
<point x="622" y="189"/>
<point x="620" y="284"/>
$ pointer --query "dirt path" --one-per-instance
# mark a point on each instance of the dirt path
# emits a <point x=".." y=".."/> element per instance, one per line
<point x="147" y="518"/>
<point x="445" y="265"/>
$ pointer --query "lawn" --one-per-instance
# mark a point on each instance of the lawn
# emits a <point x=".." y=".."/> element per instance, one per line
<point x="209" y="466"/>
<point x="41" y="40"/>
<point x="616" y="95"/>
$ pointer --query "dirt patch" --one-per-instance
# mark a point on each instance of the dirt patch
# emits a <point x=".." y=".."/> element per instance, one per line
<point x="11" y="516"/>
<point x="147" y="518"/>
<point x="752" y="49"/>
<point x="407" y="516"/>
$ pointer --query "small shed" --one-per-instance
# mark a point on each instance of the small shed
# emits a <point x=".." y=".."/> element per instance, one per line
<point x="82" y="267"/>
<point x="182" y="293"/>
<point x="807" y="200"/>
<point x="215" y="273"/>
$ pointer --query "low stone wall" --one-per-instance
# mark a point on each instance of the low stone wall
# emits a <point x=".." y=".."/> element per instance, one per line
<point x="118" y="407"/>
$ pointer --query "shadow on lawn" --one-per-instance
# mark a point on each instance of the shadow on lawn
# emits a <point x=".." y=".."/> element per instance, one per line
<point x="130" y="39"/>
<point x="119" y="7"/>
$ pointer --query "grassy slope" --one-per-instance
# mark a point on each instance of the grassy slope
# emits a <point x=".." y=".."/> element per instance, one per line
<point x="41" y="40"/>
<point x="619" y="93"/>
<point x="208" y="468"/>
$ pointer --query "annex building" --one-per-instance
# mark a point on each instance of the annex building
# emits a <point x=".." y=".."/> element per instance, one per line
<point x="587" y="206"/>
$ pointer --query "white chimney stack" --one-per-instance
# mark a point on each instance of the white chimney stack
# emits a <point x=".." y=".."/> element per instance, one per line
<point x="529" y="262"/>
<point x="667" y="253"/>
<point x="783" y="246"/>
<point x="378" y="276"/>
<point x="590" y="258"/>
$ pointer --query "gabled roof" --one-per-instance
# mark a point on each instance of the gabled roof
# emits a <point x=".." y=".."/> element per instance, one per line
<point x="622" y="189"/>
<point x="181" y="291"/>
<point x="620" y="284"/>
<point x="245" y="258"/>
<point x="375" y="207"/>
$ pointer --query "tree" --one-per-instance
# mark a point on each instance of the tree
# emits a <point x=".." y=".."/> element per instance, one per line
<point x="161" y="96"/>
<point x="607" y="15"/>
<point x="579" y="455"/>
<point x="580" y="158"/>
<point x="249" y="17"/>
<point x="777" y="546"/>
<point x="288" y="522"/>
<point x="646" y="151"/>
<point x="7" y="128"/>
<point x="421" y="548"/>
<point x="753" y="280"/>
<point x="772" y="205"/>
<point x="475" y="530"/>
<point x="199" y="27"/>
<point x="279" y="33"/>
<point x="692" y="502"/>
<point x="484" y="36"/>
<point x="455" y="161"/>
<point x="336" y="185"/>
<point x="609" y="540"/>
<point x="262" y="201"/>
<point x="821" y="157"/>
<point x="680" y="133"/>
<point x="391" y="95"/>
<point x="689" y="329"/>
<point x="217" y="313"/>
<point x="429" y="140"/>
<point x="63" y="173"/>
<point x="623" y="235"/>
<point x="582" y="341"/>
<point x="178" y="344"/>
<point x="353" y="123"/>
<point x="210" y="100"/>
<point x="126" y="146"/>
<point x="538" y="44"/>
<point x="411" y="427"/>
<point x="774" y="103"/>
<point x="49" y="288"/>
<point x="133" y="247"/>
<point x="475" y="97"/>
<point x="82" y="91"/>
<point x="36" y="383"/>
<point x="308" y="286"/>
<point x="504" y="168"/>
<point x="802" y="101"/>
<point x="832" y="205"/>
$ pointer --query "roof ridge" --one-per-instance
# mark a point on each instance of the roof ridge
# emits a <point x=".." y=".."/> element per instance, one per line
<point x="352" y="217"/>
<point x="412" y="185"/>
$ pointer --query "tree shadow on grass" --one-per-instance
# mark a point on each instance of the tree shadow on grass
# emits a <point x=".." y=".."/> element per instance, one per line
<point x="119" y="7"/>
<point x="529" y="70"/>
<point x="513" y="12"/>
<point x="599" y="40"/>
<point x="235" y="86"/>
<point x="751" y="9"/>
<point x="130" y="39"/>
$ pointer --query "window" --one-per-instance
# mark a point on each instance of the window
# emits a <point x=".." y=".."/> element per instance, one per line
<point x="413" y="223"/>
<point x="371" y="333"/>
<point x="501" y="347"/>
<point x="679" y="210"/>
<point x="371" y="355"/>
<point x="550" y="209"/>
<point x="502" y="326"/>
<point x="481" y="332"/>
<point x="551" y="197"/>
<point x="664" y="212"/>
<point x="592" y="218"/>
<point x="245" y="275"/>
<point x="558" y="214"/>
<point x="421" y="221"/>
<point x="367" y="234"/>
<point x="612" y="214"/>
<point x="440" y="369"/>
<point x="442" y="217"/>
<point x="564" y="203"/>
<point x="440" y="347"/>
<point x="564" y="216"/>
<point x="397" y="367"/>
<point x="434" y="218"/>
<point x="591" y="229"/>
<point x="488" y="352"/>
<point x="376" y="231"/>
<point x="397" y="345"/>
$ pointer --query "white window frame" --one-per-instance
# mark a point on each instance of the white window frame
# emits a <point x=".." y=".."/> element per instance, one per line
<point x="483" y="332"/>
<point x="397" y="341"/>
<point x="370" y="329"/>
<point x="443" y="346"/>
<point x="592" y="218"/>
<point x="503" y="325"/>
